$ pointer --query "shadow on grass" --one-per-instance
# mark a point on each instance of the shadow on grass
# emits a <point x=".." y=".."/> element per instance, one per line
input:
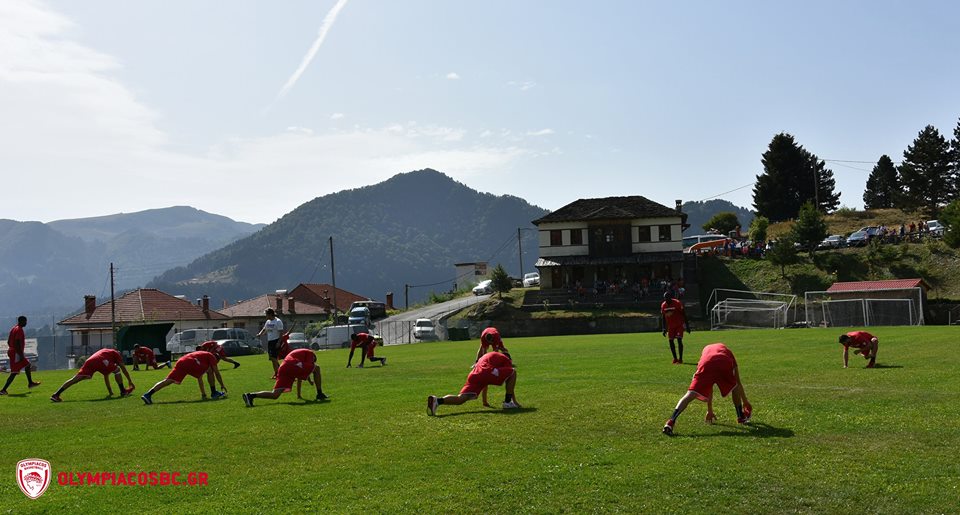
<point x="753" y="430"/>
<point x="490" y="411"/>
<point x="294" y="402"/>
<point x="880" y="365"/>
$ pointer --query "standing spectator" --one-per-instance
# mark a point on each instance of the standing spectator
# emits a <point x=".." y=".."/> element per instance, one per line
<point x="903" y="231"/>
<point x="16" y="351"/>
<point x="273" y="328"/>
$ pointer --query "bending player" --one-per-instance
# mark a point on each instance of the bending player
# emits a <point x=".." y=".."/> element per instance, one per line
<point x="217" y="350"/>
<point x="716" y="366"/>
<point x="146" y="356"/>
<point x="863" y="343"/>
<point x="105" y="361"/>
<point x="195" y="364"/>
<point x="493" y="368"/>
<point x="673" y="319"/>
<point x="367" y="344"/>
<point x="490" y="340"/>
<point x="299" y="364"/>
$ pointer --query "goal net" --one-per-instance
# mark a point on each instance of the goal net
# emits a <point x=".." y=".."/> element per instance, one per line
<point x="864" y="308"/>
<point x="738" y="309"/>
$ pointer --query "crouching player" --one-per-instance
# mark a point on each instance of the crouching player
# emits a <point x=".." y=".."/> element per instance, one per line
<point x="367" y="344"/>
<point x="863" y="343"/>
<point x="490" y="340"/>
<point x="299" y="364"/>
<point x="146" y="356"/>
<point x="105" y="361"/>
<point x="195" y="364"/>
<point x="716" y="366"/>
<point x="493" y="368"/>
<point x="217" y="350"/>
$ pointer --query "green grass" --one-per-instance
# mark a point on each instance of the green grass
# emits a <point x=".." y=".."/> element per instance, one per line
<point x="825" y="439"/>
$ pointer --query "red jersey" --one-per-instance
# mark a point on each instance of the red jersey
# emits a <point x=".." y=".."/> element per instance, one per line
<point x="214" y="348"/>
<point x="858" y="339"/>
<point x="299" y="364"/>
<point x="197" y="362"/>
<point x="716" y="367"/>
<point x="16" y="340"/>
<point x="104" y="361"/>
<point x="145" y="355"/>
<point x="493" y="368"/>
<point x="361" y="339"/>
<point x="672" y="311"/>
<point x="494" y="334"/>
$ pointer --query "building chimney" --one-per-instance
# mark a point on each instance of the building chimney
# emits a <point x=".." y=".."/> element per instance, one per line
<point x="279" y="304"/>
<point x="291" y="305"/>
<point x="205" y="303"/>
<point x="390" y="300"/>
<point x="224" y="303"/>
<point x="89" y="304"/>
<point x="679" y="205"/>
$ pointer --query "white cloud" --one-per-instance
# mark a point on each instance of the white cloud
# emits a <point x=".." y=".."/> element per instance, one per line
<point x="336" y="116"/>
<point x="325" y="26"/>
<point x="522" y="85"/>
<point x="300" y="130"/>
<point x="453" y="76"/>
<point x="541" y="132"/>
<point x="486" y="134"/>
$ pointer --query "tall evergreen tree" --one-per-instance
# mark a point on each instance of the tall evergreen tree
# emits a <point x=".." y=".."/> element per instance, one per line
<point x="926" y="172"/>
<point x="810" y="228"/>
<point x="955" y="158"/>
<point x="792" y="176"/>
<point x="883" y="188"/>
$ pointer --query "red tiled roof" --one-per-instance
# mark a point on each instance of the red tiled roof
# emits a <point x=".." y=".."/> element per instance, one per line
<point x="255" y="307"/>
<point x="145" y="305"/>
<point x="318" y="293"/>
<point x="891" y="284"/>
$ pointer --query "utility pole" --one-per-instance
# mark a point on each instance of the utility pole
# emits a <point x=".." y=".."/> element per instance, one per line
<point x="520" y="251"/>
<point x="333" y="278"/>
<point x="406" y="296"/>
<point x="113" y="312"/>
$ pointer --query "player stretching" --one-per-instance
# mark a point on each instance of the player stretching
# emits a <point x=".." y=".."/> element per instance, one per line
<point x="367" y="344"/>
<point x="195" y="364"/>
<point x="490" y="340"/>
<point x="716" y="366"/>
<point x="493" y="368"/>
<point x="299" y="364"/>
<point x="16" y="343"/>
<point x="217" y="350"/>
<point x="863" y="343"/>
<point x="105" y="361"/>
<point x="146" y="356"/>
<point x="673" y="319"/>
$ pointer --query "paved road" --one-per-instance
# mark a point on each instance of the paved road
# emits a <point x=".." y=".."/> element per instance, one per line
<point x="399" y="328"/>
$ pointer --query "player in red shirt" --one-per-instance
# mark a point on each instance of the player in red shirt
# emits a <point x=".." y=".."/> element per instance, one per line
<point x="16" y="351"/>
<point x="217" y="350"/>
<point x="195" y="364"/>
<point x="146" y="356"/>
<point x="493" y="368"/>
<point x="299" y="364"/>
<point x="863" y="343"/>
<point x="105" y="361"/>
<point x="673" y="320"/>
<point x="717" y="366"/>
<point x="490" y="340"/>
<point x="367" y="344"/>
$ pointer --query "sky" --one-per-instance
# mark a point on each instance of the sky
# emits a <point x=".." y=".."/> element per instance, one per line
<point x="249" y="108"/>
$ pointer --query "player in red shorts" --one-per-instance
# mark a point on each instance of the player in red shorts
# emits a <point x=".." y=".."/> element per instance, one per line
<point x="195" y="364"/>
<point x="367" y="344"/>
<point x="863" y="343"/>
<point x="217" y="350"/>
<point x="490" y="340"/>
<point x="717" y="366"/>
<point x="16" y="351"/>
<point x="673" y="320"/>
<point x="493" y="368"/>
<point x="146" y="356"/>
<point x="299" y="364"/>
<point x="105" y="361"/>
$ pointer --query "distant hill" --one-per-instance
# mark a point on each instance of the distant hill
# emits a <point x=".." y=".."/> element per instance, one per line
<point x="410" y="229"/>
<point x="699" y="213"/>
<point x="45" y="269"/>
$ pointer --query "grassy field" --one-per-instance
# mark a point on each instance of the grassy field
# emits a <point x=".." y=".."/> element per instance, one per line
<point x="824" y="439"/>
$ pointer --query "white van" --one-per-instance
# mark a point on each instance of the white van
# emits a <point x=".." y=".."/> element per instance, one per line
<point x="336" y="336"/>
<point x="187" y="340"/>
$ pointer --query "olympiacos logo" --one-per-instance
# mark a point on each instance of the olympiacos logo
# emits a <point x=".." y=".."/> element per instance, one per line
<point x="33" y="476"/>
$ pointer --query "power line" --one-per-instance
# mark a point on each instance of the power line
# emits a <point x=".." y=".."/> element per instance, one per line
<point x="725" y="192"/>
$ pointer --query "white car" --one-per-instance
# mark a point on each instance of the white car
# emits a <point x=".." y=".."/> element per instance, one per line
<point x="935" y="227"/>
<point x="484" y="288"/>
<point x="531" y="279"/>
<point x="423" y="329"/>
<point x="298" y="341"/>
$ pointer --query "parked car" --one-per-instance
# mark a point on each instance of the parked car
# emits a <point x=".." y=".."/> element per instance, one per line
<point x="935" y="227"/>
<point x="423" y="329"/>
<point x="858" y="239"/>
<point x="336" y="336"/>
<point x="484" y="288"/>
<point x="378" y="310"/>
<point x="360" y="315"/>
<point x="531" y="279"/>
<point x="298" y="341"/>
<point x="834" y="241"/>
<point x="238" y="348"/>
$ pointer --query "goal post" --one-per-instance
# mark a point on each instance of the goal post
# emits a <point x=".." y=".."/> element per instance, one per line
<point x="742" y="309"/>
<point x="855" y="308"/>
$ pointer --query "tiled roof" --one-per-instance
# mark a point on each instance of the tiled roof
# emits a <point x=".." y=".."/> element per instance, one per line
<point x="145" y="305"/>
<point x="609" y="208"/>
<point x="891" y="284"/>
<point x="255" y="307"/>
<point x="318" y="293"/>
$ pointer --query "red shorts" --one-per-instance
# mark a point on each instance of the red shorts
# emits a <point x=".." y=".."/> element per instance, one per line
<point x="92" y="366"/>
<point x="675" y="332"/>
<point x="289" y="371"/>
<point x="477" y="381"/>
<point x="370" y="348"/>
<point x="717" y="366"/>
<point x="183" y="368"/>
<point x="17" y="366"/>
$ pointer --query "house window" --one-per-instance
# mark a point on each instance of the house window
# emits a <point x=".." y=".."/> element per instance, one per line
<point x="576" y="237"/>
<point x="556" y="238"/>
<point x="665" y="233"/>
<point x="610" y="241"/>
<point x="644" y="233"/>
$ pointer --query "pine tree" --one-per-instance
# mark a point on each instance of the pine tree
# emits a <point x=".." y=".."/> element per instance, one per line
<point x="782" y="254"/>
<point x="810" y="228"/>
<point x="758" y="229"/>
<point x="955" y="159"/>
<point x="722" y="222"/>
<point x="501" y="282"/>
<point x="791" y="176"/>
<point x="883" y="188"/>
<point x="926" y="172"/>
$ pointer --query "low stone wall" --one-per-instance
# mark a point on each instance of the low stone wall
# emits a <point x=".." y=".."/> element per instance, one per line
<point x="558" y="327"/>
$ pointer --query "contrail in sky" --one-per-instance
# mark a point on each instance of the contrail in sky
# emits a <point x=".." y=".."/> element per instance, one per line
<point x="321" y="35"/>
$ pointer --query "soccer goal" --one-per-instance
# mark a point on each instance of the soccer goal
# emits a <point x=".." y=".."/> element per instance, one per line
<point x="902" y="306"/>
<point x="739" y="309"/>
